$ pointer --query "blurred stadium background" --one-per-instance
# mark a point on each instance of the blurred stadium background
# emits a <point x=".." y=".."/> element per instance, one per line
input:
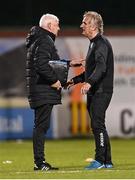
<point x="70" y="119"/>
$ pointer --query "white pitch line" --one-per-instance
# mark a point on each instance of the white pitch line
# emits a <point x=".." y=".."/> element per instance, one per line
<point x="50" y="172"/>
<point x="69" y="171"/>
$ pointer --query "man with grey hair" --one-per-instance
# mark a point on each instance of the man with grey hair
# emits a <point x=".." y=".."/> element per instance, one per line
<point x="44" y="83"/>
<point x="98" y="85"/>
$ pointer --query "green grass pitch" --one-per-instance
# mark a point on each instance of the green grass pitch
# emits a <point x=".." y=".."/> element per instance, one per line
<point x="16" y="160"/>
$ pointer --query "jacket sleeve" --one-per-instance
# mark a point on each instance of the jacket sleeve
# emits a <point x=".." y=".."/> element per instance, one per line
<point x="41" y="61"/>
<point x="79" y="79"/>
<point x="100" y="58"/>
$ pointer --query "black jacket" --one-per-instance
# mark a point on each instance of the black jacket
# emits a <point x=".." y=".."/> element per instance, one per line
<point x="40" y="75"/>
<point x="99" y="68"/>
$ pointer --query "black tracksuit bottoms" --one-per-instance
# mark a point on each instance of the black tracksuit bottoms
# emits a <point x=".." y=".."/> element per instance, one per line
<point x="97" y="105"/>
<point x="41" y="125"/>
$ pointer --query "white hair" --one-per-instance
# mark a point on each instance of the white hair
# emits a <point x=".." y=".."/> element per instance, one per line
<point x="47" y="18"/>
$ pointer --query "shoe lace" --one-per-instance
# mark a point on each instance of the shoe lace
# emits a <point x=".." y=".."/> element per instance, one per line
<point x="47" y="164"/>
<point x="93" y="163"/>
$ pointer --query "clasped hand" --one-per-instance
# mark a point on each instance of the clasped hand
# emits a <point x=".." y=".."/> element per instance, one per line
<point x="57" y="85"/>
<point x="85" y="88"/>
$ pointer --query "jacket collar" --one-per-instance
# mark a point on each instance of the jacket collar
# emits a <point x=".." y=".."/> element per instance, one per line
<point x="95" y="38"/>
<point x="44" y="31"/>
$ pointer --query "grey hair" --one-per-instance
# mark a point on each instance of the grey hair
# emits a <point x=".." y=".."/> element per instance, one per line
<point x="96" y="19"/>
<point x="47" y="18"/>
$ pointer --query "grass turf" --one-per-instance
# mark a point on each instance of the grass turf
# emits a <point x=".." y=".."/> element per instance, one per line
<point x="16" y="160"/>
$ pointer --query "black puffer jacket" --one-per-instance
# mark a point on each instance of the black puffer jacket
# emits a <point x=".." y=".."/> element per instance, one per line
<point x="39" y="74"/>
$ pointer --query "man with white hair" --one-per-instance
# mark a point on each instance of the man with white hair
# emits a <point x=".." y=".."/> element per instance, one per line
<point x="50" y="22"/>
<point x="43" y="83"/>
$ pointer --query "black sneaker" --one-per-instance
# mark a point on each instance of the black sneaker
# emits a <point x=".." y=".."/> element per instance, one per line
<point x="45" y="167"/>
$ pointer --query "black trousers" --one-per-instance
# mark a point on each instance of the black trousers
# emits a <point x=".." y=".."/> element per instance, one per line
<point x="97" y="105"/>
<point x="41" y="125"/>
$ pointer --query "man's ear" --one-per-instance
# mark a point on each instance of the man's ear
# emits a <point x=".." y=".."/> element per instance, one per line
<point x="49" y="26"/>
<point x="94" y="27"/>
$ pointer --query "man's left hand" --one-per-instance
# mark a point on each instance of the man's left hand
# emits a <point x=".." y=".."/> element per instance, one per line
<point x="85" y="88"/>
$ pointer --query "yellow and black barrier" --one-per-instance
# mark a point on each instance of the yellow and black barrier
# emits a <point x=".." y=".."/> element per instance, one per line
<point x="80" y="122"/>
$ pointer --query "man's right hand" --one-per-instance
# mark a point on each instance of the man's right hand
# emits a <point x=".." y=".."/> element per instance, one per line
<point x="77" y="63"/>
<point x="57" y="85"/>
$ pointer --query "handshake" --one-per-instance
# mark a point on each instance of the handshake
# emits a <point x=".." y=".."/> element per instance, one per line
<point x="61" y="69"/>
